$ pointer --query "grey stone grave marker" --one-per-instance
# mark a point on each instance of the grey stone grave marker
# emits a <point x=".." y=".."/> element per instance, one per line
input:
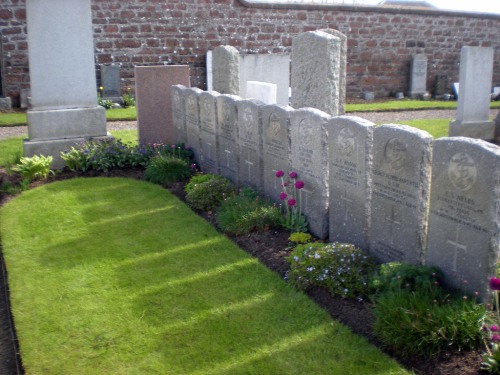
<point x="401" y="184"/>
<point x="110" y="81"/>
<point x="178" y="94"/>
<point x="418" y="76"/>
<point x="464" y="221"/>
<point x="276" y="146"/>
<point x="263" y="91"/>
<point x="309" y="157"/>
<point x="476" y="74"/>
<point x="193" y="121"/>
<point x="442" y="85"/>
<point x="227" y="135"/>
<point x="351" y="147"/>
<point x="226" y="70"/>
<point x="250" y="143"/>
<point x="208" y="124"/>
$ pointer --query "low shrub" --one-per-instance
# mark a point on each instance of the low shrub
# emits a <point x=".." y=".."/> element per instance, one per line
<point x="33" y="168"/>
<point x="164" y="169"/>
<point x="341" y="268"/>
<point x="425" y="322"/>
<point x="245" y="212"/>
<point x="300" y="237"/>
<point x="208" y="195"/>
<point x="198" y="179"/>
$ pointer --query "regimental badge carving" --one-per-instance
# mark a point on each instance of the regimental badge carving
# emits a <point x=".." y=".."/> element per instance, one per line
<point x="395" y="154"/>
<point x="274" y="127"/>
<point x="226" y="114"/>
<point x="346" y="143"/>
<point x="191" y="104"/>
<point x="206" y="108"/>
<point x="305" y="133"/>
<point x="462" y="171"/>
<point x="248" y="118"/>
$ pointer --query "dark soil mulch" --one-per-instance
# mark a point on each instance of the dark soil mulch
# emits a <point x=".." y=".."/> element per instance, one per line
<point x="271" y="248"/>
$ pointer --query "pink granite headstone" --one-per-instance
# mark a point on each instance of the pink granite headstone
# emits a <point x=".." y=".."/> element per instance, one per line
<point x="154" y="106"/>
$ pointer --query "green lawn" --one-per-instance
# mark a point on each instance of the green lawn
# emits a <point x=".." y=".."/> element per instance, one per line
<point x="405" y="105"/>
<point x="117" y="276"/>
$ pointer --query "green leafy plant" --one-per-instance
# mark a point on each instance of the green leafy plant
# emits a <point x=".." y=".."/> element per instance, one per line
<point x="291" y="195"/>
<point x="300" y="237"/>
<point x="127" y="99"/>
<point x="208" y="195"/>
<point x="33" y="168"/>
<point x="341" y="268"/>
<point x="198" y="179"/>
<point x="245" y="212"/>
<point x="425" y="322"/>
<point x="164" y="169"/>
<point x="101" y="101"/>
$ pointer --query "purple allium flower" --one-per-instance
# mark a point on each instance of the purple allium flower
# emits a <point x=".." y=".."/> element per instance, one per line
<point x="283" y="196"/>
<point x="293" y="174"/>
<point x="495" y="337"/>
<point x="299" y="184"/>
<point x="292" y="202"/>
<point x="280" y="173"/>
<point x="173" y="146"/>
<point x="495" y="283"/>
<point x="494" y="328"/>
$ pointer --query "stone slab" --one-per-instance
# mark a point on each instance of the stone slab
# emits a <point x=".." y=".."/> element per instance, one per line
<point x="226" y="70"/>
<point x="227" y="135"/>
<point x="5" y="104"/>
<point x="154" y="108"/>
<point x="479" y="129"/>
<point x="418" y="76"/>
<point x="208" y="132"/>
<point x="276" y="146"/>
<point x="464" y="221"/>
<point x="250" y="144"/>
<point x="309" y="158"/>
<point x="110" y="81"/>
<point x="178" y="93"/>
<point x="263" y="91"/>
<point x="192" y="110"/>
<point x="401" y="184"/>
<point x="350" y="159"/>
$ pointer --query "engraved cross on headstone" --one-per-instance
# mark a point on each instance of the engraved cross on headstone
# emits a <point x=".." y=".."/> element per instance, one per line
<point x="209" y="150"/>
<point x="392" y="219"/>
<point x="346" y="202"/>
<point x="458" y="246"/>
<point x="250" y="165"/>
<point x="228" y="153"/>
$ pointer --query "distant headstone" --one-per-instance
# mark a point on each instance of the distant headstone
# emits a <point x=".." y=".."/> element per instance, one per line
<point x="5" y="104"/>
<point x="442" y="82"/>
<point x="153" y="101"/>
<point x="209" y="63"/>
<point x="228" y="153"/>
<point x="193" y="121"/>
<point x="226" y="70"/>
<point x="401" y="184"/>
<point x="276" y="146"/>
<point x="208" y="127"/>
<point x="110" y="82"/>
<point x="464" y="223"/>
<point x="250" y="143"/>
<point x="351" y="146"/>
<point x="318" y="71"/>
<point x="309" y="157"/>
<point x="418" y="76"/>
<point x="476" y="74"/>
<point x="262" y="91"/>
<point x="271" y="68"/>
<point x="178" y="93"/>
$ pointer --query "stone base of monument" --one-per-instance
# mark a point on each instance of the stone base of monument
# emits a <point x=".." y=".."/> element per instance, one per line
<point x="479" y="130"/>
<point x="5" y="104"/>
<point x="53" y="131"/>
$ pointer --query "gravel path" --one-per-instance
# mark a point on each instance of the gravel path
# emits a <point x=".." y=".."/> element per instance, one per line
<point x="376" y="117"/>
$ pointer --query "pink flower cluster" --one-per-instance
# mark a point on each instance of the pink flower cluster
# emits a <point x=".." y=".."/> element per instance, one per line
<point x="298" y="184"/>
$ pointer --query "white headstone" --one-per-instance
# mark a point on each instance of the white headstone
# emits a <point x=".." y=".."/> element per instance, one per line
<point x="418" y="76"/>
<point x="262" y="91"/>
<point x="227" y="135"/>
<point x="193" y="120"/>
<point x="208" y="125"/>
<point x="226" y="70"/>
<point x="178" y="93"/>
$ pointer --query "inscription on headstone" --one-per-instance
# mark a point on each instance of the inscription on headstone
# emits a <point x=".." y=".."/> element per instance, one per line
<point x="208" y="125"/>
<point x="193" y="120"/>
<point x="442" y="85"/>
<point x="110" y="81"/>
<point x="276" y="146"/>
<point x="227" y="132"/>
<point x="464" y="212"/>
<point x="250" y="143"/>
<point x="418" y="76"/>
<point x="401" y="182"/>
<point x="351" y="144"/>
<point x="309" y="157"/>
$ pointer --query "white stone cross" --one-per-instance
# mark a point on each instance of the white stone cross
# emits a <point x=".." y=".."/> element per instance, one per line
<point x="458" y="246"/>
<point x="392" y="219"/>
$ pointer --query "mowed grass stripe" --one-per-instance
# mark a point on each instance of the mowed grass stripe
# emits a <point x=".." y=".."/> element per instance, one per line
<point x="117" y="276"/>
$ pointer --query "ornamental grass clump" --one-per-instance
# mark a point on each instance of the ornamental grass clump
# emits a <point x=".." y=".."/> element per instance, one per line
<point x="341" y="268"/>
<point x="166" y="169"/>
<point x="208" y="195"/>
<point x="291" y="195"/>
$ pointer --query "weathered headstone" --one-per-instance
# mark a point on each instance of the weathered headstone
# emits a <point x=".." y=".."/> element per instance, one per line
<point x="153" y="100"/>
<point x="401" y="183"/>
<point x="227" y="135"/>
<point x="208" y="127"/>
<point x="418" y="76"/>
<point x="276" y="146"/>
<point x="178" y="93"/>
<point x="193" y="120"/>
<point x="62" y="76"/>
<point x="250" y="143"/>
<point x="318" y="71"/>
<point x="309" y="158"/>
<point x="464" y="223"/>
<point x="110" y="82"/>
<point x="226" y="70"/>
<point x="442" y="85"/>
<point x="351" y="147"/>
<point x="476" y="74"/>
<point x="263" y="91"/>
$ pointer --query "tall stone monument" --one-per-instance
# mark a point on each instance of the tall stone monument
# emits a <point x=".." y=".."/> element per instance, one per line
<point x="418" y="76"/>
<point x="476" y="74"/>
<point x="319" y="71"/>
<point x="62" y="72"/>
<point x="226" y="70"/>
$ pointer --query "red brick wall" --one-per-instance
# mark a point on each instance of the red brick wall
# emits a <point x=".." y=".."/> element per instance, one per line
<point x="148" y="32"/>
